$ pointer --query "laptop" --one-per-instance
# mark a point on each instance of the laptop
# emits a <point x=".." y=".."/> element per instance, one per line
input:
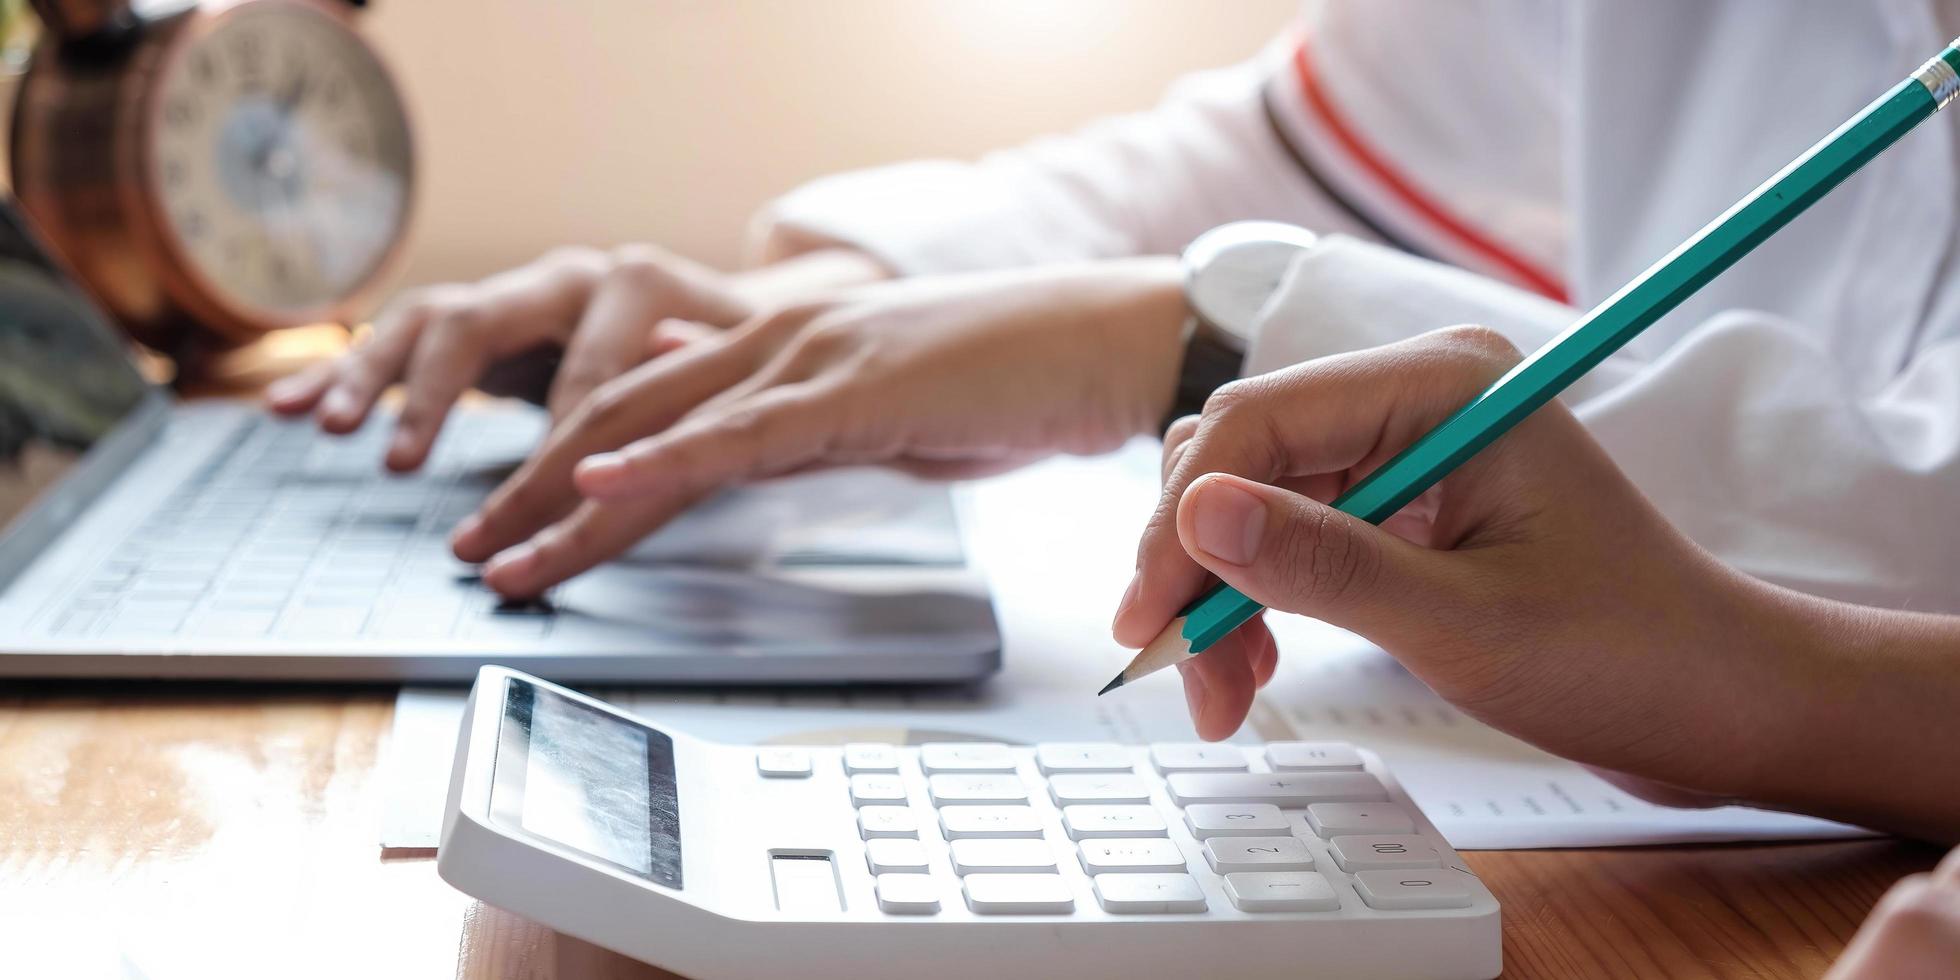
<point x="141" y="537"/>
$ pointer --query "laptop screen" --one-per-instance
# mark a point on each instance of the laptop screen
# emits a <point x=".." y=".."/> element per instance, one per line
<point x="66" y="380"/>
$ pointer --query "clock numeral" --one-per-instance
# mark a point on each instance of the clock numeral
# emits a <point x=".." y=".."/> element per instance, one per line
<point x="180" y="112"/>
<point x="174" y="174"/>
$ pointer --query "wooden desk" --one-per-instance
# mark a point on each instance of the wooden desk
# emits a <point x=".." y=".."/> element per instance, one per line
<point x="216" y="831"/>
<point x="229" y="830"/>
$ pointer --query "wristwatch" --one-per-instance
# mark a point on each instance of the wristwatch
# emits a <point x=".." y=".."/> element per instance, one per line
<point x="1229" y="274"/>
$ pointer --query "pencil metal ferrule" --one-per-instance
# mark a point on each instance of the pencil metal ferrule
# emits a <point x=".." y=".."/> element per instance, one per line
<point x="1941" y="81"/>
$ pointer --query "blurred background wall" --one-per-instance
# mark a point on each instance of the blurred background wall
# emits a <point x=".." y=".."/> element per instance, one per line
<point x="543" y="122"/>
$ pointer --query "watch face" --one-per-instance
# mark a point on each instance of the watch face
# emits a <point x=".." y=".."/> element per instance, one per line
<point x="280" y="158"/>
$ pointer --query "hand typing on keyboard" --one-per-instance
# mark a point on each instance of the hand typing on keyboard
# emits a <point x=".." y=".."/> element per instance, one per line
<point x="1538" y="590"/>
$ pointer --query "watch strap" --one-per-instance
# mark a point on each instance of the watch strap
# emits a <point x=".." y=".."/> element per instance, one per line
<point x="1209" y="364"/>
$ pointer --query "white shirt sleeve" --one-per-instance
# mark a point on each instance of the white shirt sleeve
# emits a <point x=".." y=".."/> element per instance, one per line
<point x="1746" y="432"/>
<point x="1140" y="184"/>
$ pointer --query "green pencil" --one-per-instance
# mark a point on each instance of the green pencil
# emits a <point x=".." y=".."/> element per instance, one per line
<point x="1592" y="339"/>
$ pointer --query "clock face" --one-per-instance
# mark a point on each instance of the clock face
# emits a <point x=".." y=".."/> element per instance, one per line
<point x="280" y="156"/>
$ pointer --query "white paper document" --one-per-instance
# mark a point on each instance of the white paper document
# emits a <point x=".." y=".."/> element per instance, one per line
<point x="1058" y="542"/>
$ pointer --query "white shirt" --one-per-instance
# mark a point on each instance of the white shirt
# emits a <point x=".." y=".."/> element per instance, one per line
<point x="1800" y="416"/>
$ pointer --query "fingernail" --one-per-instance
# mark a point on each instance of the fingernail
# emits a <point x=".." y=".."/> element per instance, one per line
<point x="1229" y="523"/>
<point x="1194" y="692"/>
<point x="512" y="561"/>
<point x="600" y="470"/>
<point x="285" y="389"/>
<point x="1129" y="599"/>
<point x="465" y="529"/>
<point x="402" y="448"/>
<point x="337" y="404"/>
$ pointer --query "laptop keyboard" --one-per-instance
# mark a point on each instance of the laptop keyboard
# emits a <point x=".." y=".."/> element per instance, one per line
<point x="292" y="535"/>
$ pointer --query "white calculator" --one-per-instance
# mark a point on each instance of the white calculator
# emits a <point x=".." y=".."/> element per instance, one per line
<point x="954" y="860"/>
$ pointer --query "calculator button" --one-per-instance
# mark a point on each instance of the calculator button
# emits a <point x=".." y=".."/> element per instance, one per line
<point x="1408" y="889"/>
<point x="886" y="821"/>
<point x="966" y="757"/>
<point x="1340" y="819"/>
<point x="870" y="757"/>
<point x="908" y="894"/>
<point x="870" y="788"/>
<point x="1290" y="789"/>
<point x="1382" y="851"/>
<point x="1281" y="891"/>
<point x="1149" y="893"/>
<point x="957" y="822"/>
<point x="1130" y="855"/>
<point x="982" y="856"/>
<point x="1057" y="757"/>
<point x="1208" y="820"/>
<point x="1308" y="756"/>
<point x="781" y="763"/>
<point x="949" y="788"/>
<point x="1114" y="787"/>
<point x="1228" y="855"/>
<point x="1170" y="757"/>
<point x="1017" y="894"/>
<point x="1120" y="820"/>
<point x="894" y="855"/>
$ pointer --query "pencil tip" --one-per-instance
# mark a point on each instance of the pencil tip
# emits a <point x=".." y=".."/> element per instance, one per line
<point x="1111" y="686"/>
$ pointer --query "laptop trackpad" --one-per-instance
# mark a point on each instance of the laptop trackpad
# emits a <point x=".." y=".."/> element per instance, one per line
<point x="694" y="607"/>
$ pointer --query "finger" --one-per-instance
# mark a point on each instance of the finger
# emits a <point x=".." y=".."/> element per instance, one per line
<point x="668" y="336"/>
<point x="299" y="392"/>
<point x="772" y="432"/>
<point x="595" y="532"/>
<point x="643" y="401"/>
<point x="451" y="356"/>
<point x="1295" y="554"/>
<point x="1218" y="687"/>
<point x="1948" y="873"/>
<point x="1175" y="439"/>
<point x="1265" y="651"/>
<point x="363" y="373"/>
<point x="1166" y="578"/>
<point x="610" y="337"/>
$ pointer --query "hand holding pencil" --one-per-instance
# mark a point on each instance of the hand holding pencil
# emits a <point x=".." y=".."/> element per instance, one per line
<point x="1486" y="416"/>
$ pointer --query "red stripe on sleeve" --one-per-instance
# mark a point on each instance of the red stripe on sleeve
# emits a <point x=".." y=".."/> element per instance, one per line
<point x="1520" y="268"/>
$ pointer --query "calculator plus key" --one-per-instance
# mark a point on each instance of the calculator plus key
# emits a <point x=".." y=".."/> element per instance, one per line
<point x="1295" y="789"/>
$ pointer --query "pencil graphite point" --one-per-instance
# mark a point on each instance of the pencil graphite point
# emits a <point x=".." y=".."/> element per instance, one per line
<point x="1114" y="683"/>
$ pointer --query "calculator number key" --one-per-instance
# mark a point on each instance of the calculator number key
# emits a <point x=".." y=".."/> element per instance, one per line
<point x="1017" y="894"/>
<point x="1402" y="890"/>
<point x="871" y="789"/>
<point x="1208" y="820"/>
<point x="1229" y="855"/>
<point x="1073" y="788"/>
<point x="1170" y="757"/>
<point x="966" y="757"/>
<point x="1149" y="893"/>
<point x="978" y="856"/>
<point x="1119" y="820"/>
<point x="957" y="822"/>
<point x="895" y="855"/>
<point x="1131" y="855"/>
<point x="1343" y="819"/>
<point x="1281" y="891"/>
<point x="948" y="788"/>
<point x="886" y="821"/>
<point x="870" y="757"/>
<point x="783" y="763"/>
<point x="1382" y="851"/>
<point x="1055" y="757"/>
<point x="908" y="894"/>
<point x="1310" y="756"/>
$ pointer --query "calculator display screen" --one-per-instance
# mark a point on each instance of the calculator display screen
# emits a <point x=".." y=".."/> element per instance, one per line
<point x="592" y="782"/>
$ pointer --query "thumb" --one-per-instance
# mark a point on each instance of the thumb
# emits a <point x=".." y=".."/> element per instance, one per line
<point x="1295" y="554"/>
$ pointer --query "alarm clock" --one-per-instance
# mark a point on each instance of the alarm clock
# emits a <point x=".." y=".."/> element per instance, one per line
<point x="216" y="170"/>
